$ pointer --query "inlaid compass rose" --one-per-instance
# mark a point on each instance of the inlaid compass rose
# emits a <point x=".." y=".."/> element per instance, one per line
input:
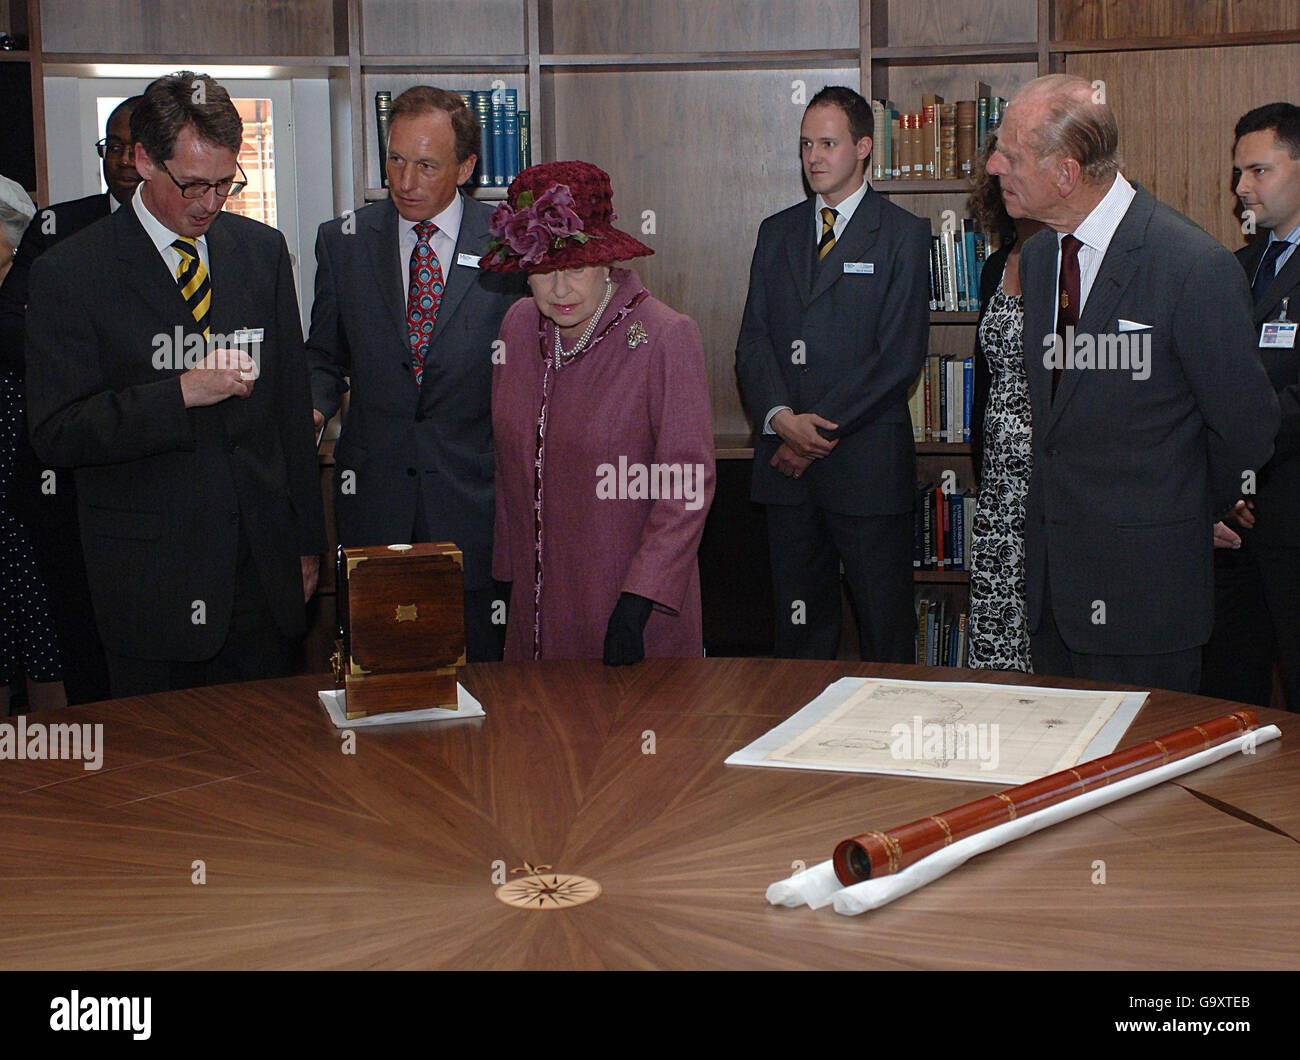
<point x="543" y="889"/>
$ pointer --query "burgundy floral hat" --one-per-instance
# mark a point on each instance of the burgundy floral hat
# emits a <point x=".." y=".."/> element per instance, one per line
<point x="557" y="216"/>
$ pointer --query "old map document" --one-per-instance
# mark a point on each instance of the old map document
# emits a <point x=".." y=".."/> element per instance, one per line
<point x="969" y="731"/>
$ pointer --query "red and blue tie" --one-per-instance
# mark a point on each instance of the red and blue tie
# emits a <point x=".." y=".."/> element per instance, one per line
<point x="423" y="296"/>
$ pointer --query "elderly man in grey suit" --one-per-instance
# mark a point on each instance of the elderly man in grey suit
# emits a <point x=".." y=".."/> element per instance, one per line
<point x="1150" y="408"/>
<point x="405" y="320"/>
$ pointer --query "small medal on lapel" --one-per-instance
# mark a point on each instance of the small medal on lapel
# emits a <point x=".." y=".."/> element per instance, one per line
<point x="636" y="335"/>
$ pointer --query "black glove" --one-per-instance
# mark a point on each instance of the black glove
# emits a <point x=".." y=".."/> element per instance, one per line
<point x="623" y="641"/>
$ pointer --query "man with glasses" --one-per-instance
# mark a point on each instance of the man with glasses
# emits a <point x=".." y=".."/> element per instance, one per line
<point x="45" y="505"/>
<point x="165" y="364"/>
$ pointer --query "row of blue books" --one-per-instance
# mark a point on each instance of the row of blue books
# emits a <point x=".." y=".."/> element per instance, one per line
<point x="505" y="129"/>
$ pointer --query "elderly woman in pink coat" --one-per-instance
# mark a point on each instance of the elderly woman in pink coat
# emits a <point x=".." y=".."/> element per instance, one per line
<point x="603" y="434"/>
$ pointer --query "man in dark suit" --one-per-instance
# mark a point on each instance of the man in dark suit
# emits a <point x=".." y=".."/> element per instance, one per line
<point x="834" y="333"/>
<point x="165" y="365"/>
<point x="1150" y="407"/>
<point x="45" y="499"/>
<point x="1257" y="571"/>
<point x="405" y="321"/>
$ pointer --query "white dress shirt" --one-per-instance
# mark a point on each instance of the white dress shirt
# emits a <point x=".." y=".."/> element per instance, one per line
<point x="443" y="241"/>
<point x="162" y="236"/>
<point x="1095" y="233"/>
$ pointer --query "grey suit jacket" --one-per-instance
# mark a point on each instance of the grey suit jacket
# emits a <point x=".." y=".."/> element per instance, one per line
<point x="398" y="444"/>
<point x="846" y="345"/>
<point x="1130" y="473"/>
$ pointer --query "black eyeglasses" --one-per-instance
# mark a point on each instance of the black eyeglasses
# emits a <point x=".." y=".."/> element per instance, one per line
<point x="196" y="189"/>
<point x="103" y="148"/>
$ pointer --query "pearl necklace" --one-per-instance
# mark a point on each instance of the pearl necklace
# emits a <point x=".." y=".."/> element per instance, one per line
<point x="561" y="357"/>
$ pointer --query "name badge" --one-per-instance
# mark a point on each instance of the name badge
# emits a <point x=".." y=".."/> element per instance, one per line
<point x="470" y="260"/>
<point x="859" y="268"/>
<point x="1277" y="335"/>
<point x="249" y="335"/>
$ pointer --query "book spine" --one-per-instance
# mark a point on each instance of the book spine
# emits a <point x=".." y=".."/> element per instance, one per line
<point x="935" y="285"/>
<point x="955" y="503"/>
<point x="972" y="270"/>
<point x="949" y="274"/>
<point x="895" y="137"/>
<point x="879" y="140"/>
<point x="959" y="256"/>
<point x="525" y="140"/>
<point x="948" y="141"/>
<point x="383" y="101"/>
<point x="929" y="141"/>
<point x="944" y="435"/>
<point x="965" y="142"/>
<point x="932" y="399"/>
<point x="498" y="118"/>
<point x="916" y="407"/>
<point x="510" y="122"/>
<point x="968" y="396"/>
<point x="483" y="111"/>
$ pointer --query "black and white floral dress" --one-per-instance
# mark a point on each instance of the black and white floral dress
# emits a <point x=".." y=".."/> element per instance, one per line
<point x="999" y="635"/>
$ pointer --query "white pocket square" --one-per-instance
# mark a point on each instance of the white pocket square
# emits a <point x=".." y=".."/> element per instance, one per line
<point x="1132" y="325"/>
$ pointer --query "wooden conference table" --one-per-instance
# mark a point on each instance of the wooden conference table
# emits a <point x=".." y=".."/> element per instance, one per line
<point x="384" y="858"/>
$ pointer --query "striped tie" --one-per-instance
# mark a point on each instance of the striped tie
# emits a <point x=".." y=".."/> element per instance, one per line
<point x="193" y="280"/>
<point x="828" y="232"/>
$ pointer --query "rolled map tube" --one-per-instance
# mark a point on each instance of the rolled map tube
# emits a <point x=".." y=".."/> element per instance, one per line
<point x="875" y="854"/>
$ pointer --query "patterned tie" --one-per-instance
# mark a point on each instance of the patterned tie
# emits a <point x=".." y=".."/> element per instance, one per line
<point x="1067" y="312"/>
<point x="828" y="232"/>
<point x="423" y="296"/>
<point x="192" y="278"/>
<point x="1267" y="268"/>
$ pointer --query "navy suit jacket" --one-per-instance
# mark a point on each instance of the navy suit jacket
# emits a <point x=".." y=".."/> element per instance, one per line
<point x="845" y="345"/>
<point x="1130" y="474"/>
<point x="1277" y="507"/>
<point x="35" y="508"/>
<point x="399" y="443"/>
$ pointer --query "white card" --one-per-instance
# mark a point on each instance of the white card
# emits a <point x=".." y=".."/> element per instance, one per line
<point x="859" y="268"/>
<point x="468" y="259"/>
<point x="1277" y="335"/>
<point x="248" y="335"/>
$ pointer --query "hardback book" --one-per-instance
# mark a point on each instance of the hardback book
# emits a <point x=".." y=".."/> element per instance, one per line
<point x="948" y="141"/>
<point x="499" y="143"/>
<point x="483" y="111"/>
<point x="525" y="141"/>
<point x="879" y="140"/>
<point x="401" y="627"/>
<point x="383" y="101"/>
<point x="965" y="143"/>
<point x="932" y="108"/>
<point x="510" y="123"/>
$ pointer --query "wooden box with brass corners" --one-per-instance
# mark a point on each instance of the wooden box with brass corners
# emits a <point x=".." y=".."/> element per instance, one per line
<point x="401" y="627"/>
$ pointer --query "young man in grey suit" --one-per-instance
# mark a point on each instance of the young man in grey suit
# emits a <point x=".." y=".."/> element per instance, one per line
<point x="165" y="364"/>
<point x="1257" y="564"/>
<point x="1150" y="407"/>
<point x="405" y="320"/>
<point x="834" y="333"/>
